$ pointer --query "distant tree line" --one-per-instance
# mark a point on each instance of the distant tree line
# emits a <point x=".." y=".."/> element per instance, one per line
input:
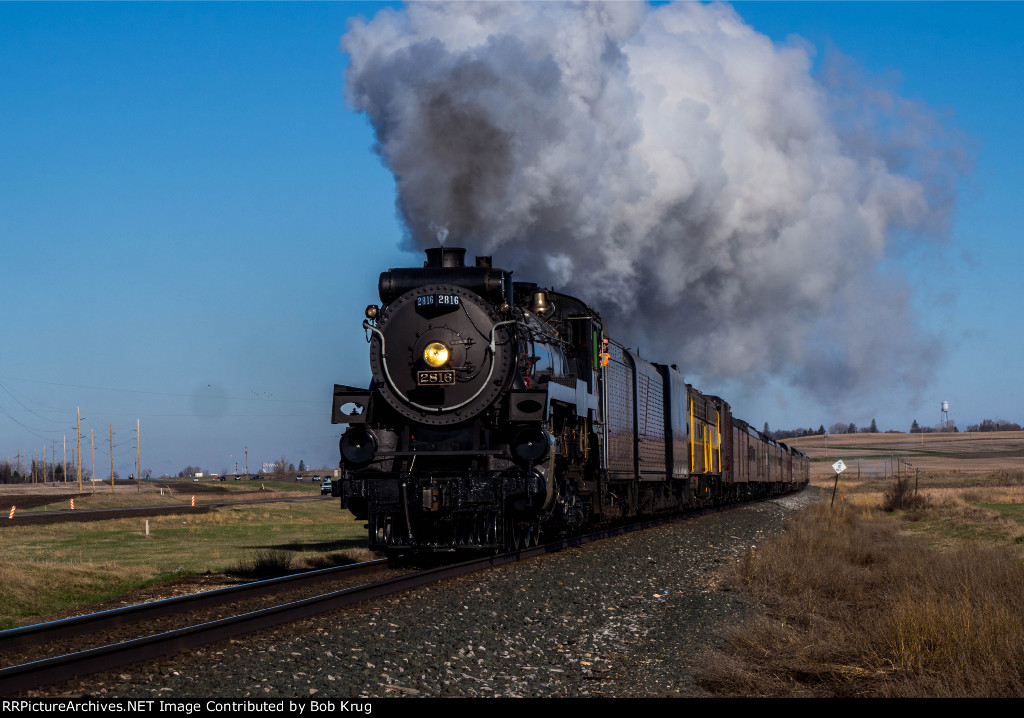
<point x="779" y="434"/>
<point x="837" y="428"/>
<point x="13" y="472"/>
<point x="851" y="428"/>
<point x="283" y="466"/>
<point x="995" y="425"/>
<point x="915" y="428"/>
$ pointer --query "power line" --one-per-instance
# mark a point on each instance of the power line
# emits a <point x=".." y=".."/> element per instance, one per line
<point x="260" y="397"/>
<point x="35" y="432"/>
<point x="27" y="408"/>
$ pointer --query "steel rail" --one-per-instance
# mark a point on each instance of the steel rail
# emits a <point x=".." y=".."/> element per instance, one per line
<point x="41" y="633"/>
<point x="26" y="676"/>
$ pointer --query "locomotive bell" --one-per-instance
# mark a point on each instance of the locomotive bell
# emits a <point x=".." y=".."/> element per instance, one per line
<point x="539" y="303"/>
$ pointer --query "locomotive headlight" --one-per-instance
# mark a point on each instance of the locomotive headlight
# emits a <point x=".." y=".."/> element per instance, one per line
<point x="532" y="445"/>
<point x="358" y="446"/>
<point x="436" y="354"/>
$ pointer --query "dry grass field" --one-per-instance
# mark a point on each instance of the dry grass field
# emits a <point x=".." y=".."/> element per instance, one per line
<point x="908" y="586"/>
<point x="983" y="468"/>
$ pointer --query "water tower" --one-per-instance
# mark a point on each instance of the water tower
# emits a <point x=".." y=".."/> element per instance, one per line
<point x="945" y="423"/>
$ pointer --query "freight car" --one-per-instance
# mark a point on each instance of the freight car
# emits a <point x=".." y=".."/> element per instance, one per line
<point x="500" y="412"/>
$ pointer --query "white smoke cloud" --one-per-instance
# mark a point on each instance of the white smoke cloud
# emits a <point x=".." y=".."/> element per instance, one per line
<point x="674" y="168"/>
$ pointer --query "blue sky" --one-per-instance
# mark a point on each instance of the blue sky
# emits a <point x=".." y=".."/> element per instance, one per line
<point x="192" y="221"/>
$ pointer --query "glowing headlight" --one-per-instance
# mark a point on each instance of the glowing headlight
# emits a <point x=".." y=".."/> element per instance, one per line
<point x="436" y="354"/>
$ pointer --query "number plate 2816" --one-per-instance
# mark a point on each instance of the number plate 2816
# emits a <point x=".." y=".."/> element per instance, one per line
<point x="435" y="378"/>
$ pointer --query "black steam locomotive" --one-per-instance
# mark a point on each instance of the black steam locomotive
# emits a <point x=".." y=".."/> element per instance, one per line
<point x="500" y="412"/>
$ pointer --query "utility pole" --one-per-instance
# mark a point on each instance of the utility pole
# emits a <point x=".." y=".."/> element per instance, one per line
<point x="65" y="464"/>
<point x="247" y="462"/>
<point x="53" y="460"/>
<point x="78" y="445"/>
<point x="92" y="445"/>
<point x="111" y="426"/>
<point x="138" y="456"/>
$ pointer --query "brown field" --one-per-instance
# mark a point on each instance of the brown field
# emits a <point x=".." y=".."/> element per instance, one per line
<point x="55" y="496"/>
<point x="876" y="455"/>
<point x="942" y="467"/>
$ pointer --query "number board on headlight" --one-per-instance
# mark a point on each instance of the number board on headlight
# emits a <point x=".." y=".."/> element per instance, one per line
<point x="442" y="377"/>
<point x="438" y="300"/>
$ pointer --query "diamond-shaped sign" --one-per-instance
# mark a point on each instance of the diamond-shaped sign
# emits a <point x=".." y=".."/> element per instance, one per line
<point x="839" y="466"/>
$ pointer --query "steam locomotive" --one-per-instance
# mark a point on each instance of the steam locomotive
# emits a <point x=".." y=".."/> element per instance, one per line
<point x="500" y="412"/>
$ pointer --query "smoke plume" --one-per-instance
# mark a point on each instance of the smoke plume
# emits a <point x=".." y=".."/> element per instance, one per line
<point x="673" y="167"/>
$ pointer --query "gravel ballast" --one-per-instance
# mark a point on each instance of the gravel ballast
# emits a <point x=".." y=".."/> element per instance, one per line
<point x="625" y="617"/>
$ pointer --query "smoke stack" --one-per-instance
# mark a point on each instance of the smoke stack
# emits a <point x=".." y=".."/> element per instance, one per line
<point x="445" y="257"/>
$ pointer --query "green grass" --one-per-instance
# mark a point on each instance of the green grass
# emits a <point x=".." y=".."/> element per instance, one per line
<point x="945" y="531"/>
<point x="53" y="567"/>
<point x="991" y="524"/>
<point x="1013" y="512"/>
<point x="29" y="590"/>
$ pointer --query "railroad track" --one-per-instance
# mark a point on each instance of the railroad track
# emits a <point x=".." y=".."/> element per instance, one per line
<point x="51" y="652"/>
<point x="140" y="648"/>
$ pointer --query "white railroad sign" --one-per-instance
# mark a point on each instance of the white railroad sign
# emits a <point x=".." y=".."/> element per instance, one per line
<point x="839" y="466"/>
